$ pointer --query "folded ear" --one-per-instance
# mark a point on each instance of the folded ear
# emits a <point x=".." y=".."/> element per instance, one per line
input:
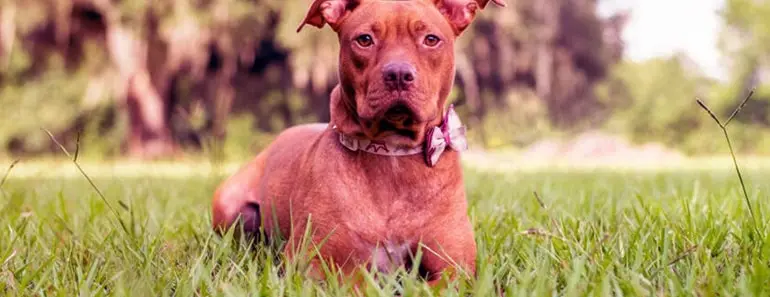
<point x="332" y="12"/>
<point x="460" y="13"/>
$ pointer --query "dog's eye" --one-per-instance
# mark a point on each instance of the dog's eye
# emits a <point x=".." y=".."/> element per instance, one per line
<point x="431" y="40"/>
<point x="365" y="40"/>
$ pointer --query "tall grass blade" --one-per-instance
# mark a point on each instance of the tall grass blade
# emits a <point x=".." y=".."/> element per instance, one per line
<point x="90" y="181"/>
<point x="732" y="151"/>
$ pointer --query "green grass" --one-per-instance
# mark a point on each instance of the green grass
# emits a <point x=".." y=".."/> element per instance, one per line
<point x="596" y="233"/>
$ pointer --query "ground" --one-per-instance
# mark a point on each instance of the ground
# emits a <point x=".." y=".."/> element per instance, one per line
<point x="597" y="231"/>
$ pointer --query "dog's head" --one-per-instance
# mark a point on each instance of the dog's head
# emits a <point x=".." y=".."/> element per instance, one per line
<point x="396" y="63"/>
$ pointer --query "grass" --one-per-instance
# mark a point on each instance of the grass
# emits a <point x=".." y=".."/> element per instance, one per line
<point x="595" y="232"/>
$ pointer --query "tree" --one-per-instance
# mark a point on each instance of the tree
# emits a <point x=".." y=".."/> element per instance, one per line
<point x="175" y="70"/>
<point x="745" y="42"/>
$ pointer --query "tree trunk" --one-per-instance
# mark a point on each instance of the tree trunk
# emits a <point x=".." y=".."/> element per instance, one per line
<point x="470" y="85"/>
<point x="7" y="33"/>
<point x="548" y="23"/>
<point x="149" y="133"/>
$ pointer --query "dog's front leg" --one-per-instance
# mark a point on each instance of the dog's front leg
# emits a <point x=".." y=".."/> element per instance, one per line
<point x="449" y="248"/>
<point x="327" y="257"/>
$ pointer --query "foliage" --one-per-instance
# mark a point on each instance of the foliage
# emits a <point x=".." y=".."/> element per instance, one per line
<point x="654" y="101"/>
<point x="55" y="100"/>
<point x="519" y="121"/>
<point x="601" y="233"/>
<point x="524" y="72"/>
<point x="745" y="41"/>
<point x="280" y="77"/>
<point x="243" y="142"/>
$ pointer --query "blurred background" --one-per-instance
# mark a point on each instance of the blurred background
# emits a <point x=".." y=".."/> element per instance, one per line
<point x="541" y="79"/>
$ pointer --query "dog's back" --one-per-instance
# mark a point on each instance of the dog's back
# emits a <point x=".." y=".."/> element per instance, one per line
<point x="242" y="193"/>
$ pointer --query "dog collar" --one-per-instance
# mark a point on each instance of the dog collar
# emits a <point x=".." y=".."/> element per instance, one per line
<point x="451" y="133"/>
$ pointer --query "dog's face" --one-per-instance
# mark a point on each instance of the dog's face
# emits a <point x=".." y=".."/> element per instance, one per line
<point x="396" y="61"/>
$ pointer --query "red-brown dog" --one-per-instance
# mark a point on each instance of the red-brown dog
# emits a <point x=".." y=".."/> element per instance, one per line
<point x="383" y="179"/>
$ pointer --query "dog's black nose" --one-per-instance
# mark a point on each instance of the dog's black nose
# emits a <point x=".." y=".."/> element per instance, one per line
<point x="399" y="75"/>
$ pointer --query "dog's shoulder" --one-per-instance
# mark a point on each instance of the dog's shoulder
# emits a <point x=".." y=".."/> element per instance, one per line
<point x="295" y="143"/>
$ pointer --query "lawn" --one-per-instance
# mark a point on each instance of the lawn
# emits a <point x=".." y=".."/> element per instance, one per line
<point x="594" y="232"/>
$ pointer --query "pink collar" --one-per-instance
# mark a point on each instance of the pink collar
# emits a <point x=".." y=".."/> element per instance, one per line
<point x="450" y="133"/>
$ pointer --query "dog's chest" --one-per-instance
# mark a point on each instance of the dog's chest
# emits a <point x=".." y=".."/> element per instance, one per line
<point x="389" y="234"/>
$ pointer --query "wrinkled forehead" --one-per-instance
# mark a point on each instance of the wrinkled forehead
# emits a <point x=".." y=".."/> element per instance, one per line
<point x="385" y="17"/>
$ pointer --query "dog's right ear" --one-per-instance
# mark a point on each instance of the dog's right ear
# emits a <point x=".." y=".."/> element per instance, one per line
<point x="328" y="11"/>
<point x="460" y="13"/>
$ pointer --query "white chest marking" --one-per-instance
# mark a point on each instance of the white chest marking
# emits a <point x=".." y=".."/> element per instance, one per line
<point x="388" y="256"/>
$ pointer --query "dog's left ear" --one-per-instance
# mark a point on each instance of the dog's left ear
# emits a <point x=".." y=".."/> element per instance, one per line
<point x="460" y="13"/>
<point x="332" y="12"/>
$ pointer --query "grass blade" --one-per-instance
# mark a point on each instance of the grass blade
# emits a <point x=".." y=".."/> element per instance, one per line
<point x="732" y="152"/>
<point x="740" y="106"/>
<point x="90" y="181"/>
<point x="711" y="113"/>
<point x="8" y="172"/>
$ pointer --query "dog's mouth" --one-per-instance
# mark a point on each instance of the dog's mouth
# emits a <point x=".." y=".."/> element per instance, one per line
<point x="388" y="129"/>
<point x="397" y="124"/>
<point x="399" y="116"/>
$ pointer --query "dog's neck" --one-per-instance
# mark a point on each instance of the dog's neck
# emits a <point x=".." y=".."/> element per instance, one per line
<point x="448" y="134"/>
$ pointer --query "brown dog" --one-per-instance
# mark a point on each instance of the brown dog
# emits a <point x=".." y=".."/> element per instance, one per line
<point x="383" y="179"/>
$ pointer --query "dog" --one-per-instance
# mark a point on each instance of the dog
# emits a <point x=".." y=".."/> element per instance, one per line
<point x="383" y="179"/>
